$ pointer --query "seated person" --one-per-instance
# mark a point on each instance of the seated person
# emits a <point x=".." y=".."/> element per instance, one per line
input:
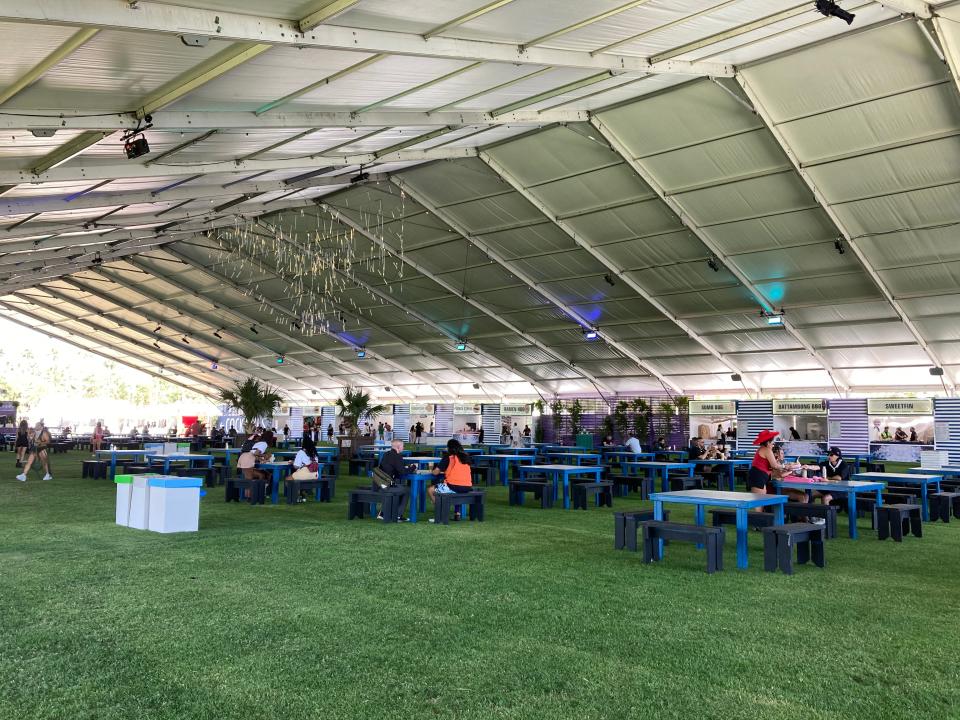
<point x="247" y="462"/>
<point x="900" y="435"/>
<point x="794" y="471"/>
<point x="457" y="475"/>
<point x="633" y="445"/>
<point x="835" y="469"/>
<point x="696" y="449"/>
<point x="391" y="464"/>
<point x="608" y="441"/>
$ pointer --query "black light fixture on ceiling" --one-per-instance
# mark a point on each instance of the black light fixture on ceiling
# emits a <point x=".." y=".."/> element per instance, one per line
<point x="609" y="280"/>
<point x="838" y="246"/>
<point x="713" y="264"/>
<point x="156" y="344"/>
<point x="157" y="329"/>
<point x="184" y="338"/>
<point x="938" y="372"/>
<point x="476" y="386"/>
<point x="831" y="9"/>
<point x="216" y="334"/>
<point x="735" y="377"/>
<point x="253" y="329"/>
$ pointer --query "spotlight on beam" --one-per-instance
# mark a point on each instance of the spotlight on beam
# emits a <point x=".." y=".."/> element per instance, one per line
<point x="936" y="371"/>
<point x="253" y="329"/>
<point x="838" y="246"/>
<point x="217" y="334"/>
<point x="461" y="345"/>
<point x="735" y="377"/>
<point x="214" y="365"/>
<point x="281" y="359"/>
<point x="361" y="353"/>
<point x="713" y="264"/>
<point x="608" y="279"/>
<point x="831" y="9"/>
<point x="590" y="333"/>
<point x="774" y="319"/>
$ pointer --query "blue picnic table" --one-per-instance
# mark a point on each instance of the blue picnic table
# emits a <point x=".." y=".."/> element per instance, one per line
<point x="730" y="465"/>
<point x="114" y="454"/>
<point x="575" y="458"/>
<point x="562" y="472"/>
<point x="850" y="488"/>
<point x="742" y="502"/>
<point x="923" y="481"/>
<point x="193" y="459"/>
<point x="659" y="468"/>
<point x="278" y="470"/>
<point x="503" y="463"/>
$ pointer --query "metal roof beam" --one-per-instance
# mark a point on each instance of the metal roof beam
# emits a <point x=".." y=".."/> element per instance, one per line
<point x="584" y="23"/>
<point x="666" y="26"/>
<point x="147" y="348"/>
<point x="761" y="111"/>
<point x="80" y="173"/>
<point x="602" y="258"/>
<point x="917" y="8"/>
<point x="178" y="20"/>
<point x="467" y="17"/>
<point x="323" y="11"/>
<point x="671" y="202"/>
<point x="197" y="120"/>
<point x="418" y="88"/>
<point x="492" y="314"/>
<point x="63" y="51"/>
<point x="329" y="79"/>
<point x="277" y="307"/>
<point x="59" y="155"/>
<point x="106" y="354"/>
<point x="554" y="92"/>
<point x="174" y="324"/>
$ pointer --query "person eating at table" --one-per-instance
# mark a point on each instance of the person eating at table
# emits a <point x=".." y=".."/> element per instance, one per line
<point x="247" y="463"/>
<point x="457" y="475"/>
<point x="633" y="445"/>
<point x="764" y="463"/>
<point x="697" y="449"/>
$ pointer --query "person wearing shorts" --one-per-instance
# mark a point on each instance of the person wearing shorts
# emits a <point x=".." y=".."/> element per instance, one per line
<point x="21" y="443"/>
<point x="37" y="450"/>
<point x="457" y="474"/>
<point x="764" y="463"/>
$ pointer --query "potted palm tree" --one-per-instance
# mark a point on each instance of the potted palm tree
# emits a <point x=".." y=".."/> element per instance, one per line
<point x="355" y="407"/>
<point x="254" y="400"/>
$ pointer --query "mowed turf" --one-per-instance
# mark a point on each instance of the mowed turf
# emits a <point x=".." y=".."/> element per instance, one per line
<point x="294" y="612"/>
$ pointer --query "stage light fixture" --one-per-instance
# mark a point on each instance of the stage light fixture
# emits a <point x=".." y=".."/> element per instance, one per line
<point x="609" y="280"/>
<point x="476" y="386"/>
<point x="184" y="339"/>
<point x="157" y="329"/>
<point x="361" y="353"/>
<point x="774" y="319"/>
<point x="838" y="246"/>
<point x="831" y="9"/>
<point x="253" y="329"/>
<point x="713" y="264"/>
<point x="461" y="345"/>
<point x="216" y="334"/>
<point x="156" y="344"/>
<point x="936" y="371"/>
<point x="281" y="359"/>
<point x="590" y="333"/>
<point x="735" y="377"/>
<point x="214" y="365"/>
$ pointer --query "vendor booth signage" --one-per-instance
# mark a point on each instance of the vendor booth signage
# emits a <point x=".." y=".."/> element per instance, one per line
<point x="417" y="409"/>
<point x="725" y="408"/>
<point x="514" y="410"/>
<point x="899" y="406"/>
<point x="466" y="409"/>
<point x="799" y="407"/>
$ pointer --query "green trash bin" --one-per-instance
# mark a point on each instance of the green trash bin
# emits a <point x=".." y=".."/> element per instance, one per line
<point x="585" y="441"/>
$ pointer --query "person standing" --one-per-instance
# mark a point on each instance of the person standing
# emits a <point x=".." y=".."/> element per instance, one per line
<point x="515" y="437"/>
<point x="794" y="435"/>
<point x="418" y="428"/>
<point x="97" y="441"/>
<point x="480" y="436"/>
<point x="22" y="442"/>
<point x="764" y="463"/>
<point x="37" y="449"/>
<point x="913" y="435"/>
<point x="380" y="431"/>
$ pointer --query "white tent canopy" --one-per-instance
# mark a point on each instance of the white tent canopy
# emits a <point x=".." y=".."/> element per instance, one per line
<point x="328" y="177"/>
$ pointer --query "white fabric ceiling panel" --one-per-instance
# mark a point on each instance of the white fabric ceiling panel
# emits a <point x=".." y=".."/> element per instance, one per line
<point x="716" y="161"/>
<point x="940" y="278"/>
<point x="617" y="311"/>
<point x="843" y="313"/>
<point x="587" y="289"/>
<point x="862" y="334"/>
<point x="595" y="190"/>
<point x="17" y="148"/>
<point x="669" y="347"/>
<point x="912" y="247"/>
<point x="681" y="277"/>
<point x="924" y="112"/>
<point x="558" y="77"/>
<point x="626" y="223"/>
<point x="819" y="290"/>
<point x="455" y="181"/>
<point x="658" y="250"/>
<point x="541" y="238"/>
<point x="684" y="115"/>
<point x="759" y="341"/>
<point x="113" y="71"/>
<point x="770" y="361"/>
<point x="33" y="43"/>
<point x="949" y="353"/>
<point x="895" y="170"/>
<point x="803" y="227"/>
<point x="938" y="329"/>
<point x="796" y="262"/>
<point x="916" y="209"/>
<point x="571" y="264"/>
<point x="779" y="193"/>
<point x="553" y="154"/>
<point x="898" y="377"/>
<point x="696" y="364"/>
<point x="656" y="328"/>
<point x="499" y="213"/>
<point x="859" y="357"/>
<point x="478" y="79"/>
<point x="724" y="300"/>
<point x="876" y="62"/>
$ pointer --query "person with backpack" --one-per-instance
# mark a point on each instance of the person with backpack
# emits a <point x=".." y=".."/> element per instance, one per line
<point x="388" y="473"/>
<point x="457" y="474"/>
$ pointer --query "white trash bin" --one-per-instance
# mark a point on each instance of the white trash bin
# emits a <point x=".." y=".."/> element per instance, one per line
<point x="140" y="502"/>
<point x="174" y="504"/>
<point x="124" y="493"/>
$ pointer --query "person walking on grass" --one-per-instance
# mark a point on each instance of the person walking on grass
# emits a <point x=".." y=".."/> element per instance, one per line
<point x="21" y="443"/>
<point x="38" y="450"/>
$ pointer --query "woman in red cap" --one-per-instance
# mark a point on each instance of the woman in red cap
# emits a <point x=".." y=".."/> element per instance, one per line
<point x="764" y="462"/>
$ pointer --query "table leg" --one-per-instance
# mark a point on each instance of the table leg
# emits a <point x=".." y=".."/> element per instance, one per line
<point x="778" y="514"/>
<point x="566" y="491"/>
<point x="275" y="490"/>
<point x="658" y="515"/>
<point x="742" y="538"/>
<point x="113" y="465"/>
<point x="923" y="502"/>
<point x="414" y="498"/>
<point x="699" y="517"/>
<point x="852" y="513"/>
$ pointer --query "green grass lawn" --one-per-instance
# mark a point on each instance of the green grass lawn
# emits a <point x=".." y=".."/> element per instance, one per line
<point x="293" y="612"/>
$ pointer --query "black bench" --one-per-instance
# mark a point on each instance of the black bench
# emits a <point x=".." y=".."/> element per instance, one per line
<point x="361" y="499"/>
<point x="797" y="510"/>
<point x="292" y="488"/>
<point x="136" y="469"/>
<point x="778" y="542"/>
<point x="361" y="466"/>
<point x="632" y="483"/>
<point x="583" y="492"/>
<point x="234" y="487"/>
<point x="754" y="519"/>
<point x="942" y="504"/>
<point x="897" y="520"/>
<point x="475" y="500"/>
<point x="685" y="482"/>
<point x="204" y="473"/>
<point x="542" y="491"/>
<point x="626" y="524"/>
<point x="95" y="469"/>
<point x="656" y="530"/>
<point x="483" y="475"/>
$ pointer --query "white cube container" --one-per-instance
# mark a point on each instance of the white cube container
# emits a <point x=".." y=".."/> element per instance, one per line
<point x="140" y="502"/>
<point x="124" y="494"/>
<point x="174" y="504"/>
